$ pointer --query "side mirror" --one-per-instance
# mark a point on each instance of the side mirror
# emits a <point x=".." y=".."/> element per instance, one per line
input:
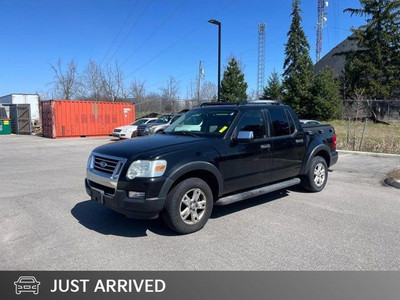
<point x="245" y="137"/>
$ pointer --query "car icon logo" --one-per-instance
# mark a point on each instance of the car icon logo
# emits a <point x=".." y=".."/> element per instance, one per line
<point x="27" y="284"/>
<point x="103" y="164"/>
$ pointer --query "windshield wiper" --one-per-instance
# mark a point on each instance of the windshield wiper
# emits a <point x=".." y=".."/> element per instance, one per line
<point x="188" y="133"/>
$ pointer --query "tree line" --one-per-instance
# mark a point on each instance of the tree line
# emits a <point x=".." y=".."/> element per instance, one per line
<point x="108" y="83"/>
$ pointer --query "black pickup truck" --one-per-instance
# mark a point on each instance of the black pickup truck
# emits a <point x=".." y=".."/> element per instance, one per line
<point x="212" y="153"/>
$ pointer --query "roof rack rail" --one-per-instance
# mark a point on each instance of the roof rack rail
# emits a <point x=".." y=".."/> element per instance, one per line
<point x="218" y="103"/>
<point x="244" y="102"/>
<point x="271" y="102"/>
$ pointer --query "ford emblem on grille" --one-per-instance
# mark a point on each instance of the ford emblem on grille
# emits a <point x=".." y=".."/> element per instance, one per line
<point x="103" y="164"/>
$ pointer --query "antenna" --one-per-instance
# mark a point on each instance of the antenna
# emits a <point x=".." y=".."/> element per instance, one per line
<point x="320" y="26"/>
<point x="261" y="59"/>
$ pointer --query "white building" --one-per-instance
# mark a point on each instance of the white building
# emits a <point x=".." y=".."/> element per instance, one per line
<point x="32" y="99"/>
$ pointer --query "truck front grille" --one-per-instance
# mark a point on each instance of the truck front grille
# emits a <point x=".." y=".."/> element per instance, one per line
<point x="106" y="165"/>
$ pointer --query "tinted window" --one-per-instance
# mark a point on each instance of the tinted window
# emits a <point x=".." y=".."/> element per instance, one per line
<point x="292" y="127"/>
<point x="253" y="121"/>
<point x="280" y="123"/>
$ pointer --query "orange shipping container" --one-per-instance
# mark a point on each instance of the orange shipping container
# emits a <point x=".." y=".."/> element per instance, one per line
<point x="62" y="118"/>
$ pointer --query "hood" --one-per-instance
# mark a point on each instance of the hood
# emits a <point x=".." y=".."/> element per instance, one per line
<point x="133" y="147"/>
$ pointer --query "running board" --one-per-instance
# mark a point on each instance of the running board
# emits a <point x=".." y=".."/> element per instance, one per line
<point x="257" y="192"/>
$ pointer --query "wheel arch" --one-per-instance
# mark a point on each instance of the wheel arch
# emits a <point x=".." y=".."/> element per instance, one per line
<point x="203" y="170"/>
<point x="321" y="150"/>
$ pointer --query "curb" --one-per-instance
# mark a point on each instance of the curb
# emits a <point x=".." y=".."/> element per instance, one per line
<point x="369" y="153"/>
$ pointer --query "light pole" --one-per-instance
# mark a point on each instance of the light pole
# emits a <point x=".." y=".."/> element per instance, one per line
<point x="215" y="22"/>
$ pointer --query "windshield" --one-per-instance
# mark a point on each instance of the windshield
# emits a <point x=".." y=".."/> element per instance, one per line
<point x="211" y="123"/>
<point x="164" y="119"/>
<point x="139" y="122"/>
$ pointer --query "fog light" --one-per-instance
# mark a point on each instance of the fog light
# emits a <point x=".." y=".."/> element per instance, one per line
<point x="136" y="194"/>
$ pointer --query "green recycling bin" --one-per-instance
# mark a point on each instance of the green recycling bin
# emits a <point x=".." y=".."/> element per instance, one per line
<point x="5" y="126"/>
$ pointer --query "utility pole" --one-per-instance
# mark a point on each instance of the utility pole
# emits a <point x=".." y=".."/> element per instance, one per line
<point x="201" y="72"/>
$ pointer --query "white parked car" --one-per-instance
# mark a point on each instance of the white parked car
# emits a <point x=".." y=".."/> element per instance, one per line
<point x="129" y="131"/>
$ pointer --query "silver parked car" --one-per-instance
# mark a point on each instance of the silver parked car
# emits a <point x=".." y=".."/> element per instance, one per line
<point x="129" y="131"/>
<point x="158" y="126"/>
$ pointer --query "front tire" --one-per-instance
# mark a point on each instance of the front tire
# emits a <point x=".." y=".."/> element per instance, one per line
<point x="317" y="175"/>
<point x="189" y="205"/>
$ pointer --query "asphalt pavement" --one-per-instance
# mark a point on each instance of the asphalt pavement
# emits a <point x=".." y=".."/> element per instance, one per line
<point x="48" y="222"/>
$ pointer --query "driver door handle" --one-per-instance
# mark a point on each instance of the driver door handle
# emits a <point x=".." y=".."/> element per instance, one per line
<point x="265" y="146"/>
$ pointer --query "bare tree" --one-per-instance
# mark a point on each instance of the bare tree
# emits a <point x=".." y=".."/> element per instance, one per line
<point x="138" y="89"/>
<point x="92" y="79"/>
<point x="191" y="90"/>
<point x="113" y="82"/>
<point x="171" y="90"/>
<point x="252" y="95"/>
<point x="208" y="91"/>
<point x="65" y="83"/>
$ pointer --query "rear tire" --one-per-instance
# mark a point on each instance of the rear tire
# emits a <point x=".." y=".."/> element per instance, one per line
<point x="188" y="206"/>
<point x="317" y="175"/>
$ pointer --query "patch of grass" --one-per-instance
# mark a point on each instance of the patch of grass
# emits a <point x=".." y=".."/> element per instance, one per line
<point x="377" y="137"/>
<point x="394" y="175"/>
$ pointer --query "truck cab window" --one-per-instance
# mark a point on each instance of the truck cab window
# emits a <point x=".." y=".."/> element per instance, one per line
<point x="253" y="121"/>
<point x="280" y="122"/>
<point x="292" y="125"/>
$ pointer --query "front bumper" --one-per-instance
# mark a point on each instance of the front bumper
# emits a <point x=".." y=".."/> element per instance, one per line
<point x="135" y="208"/>
<point x="115" y="193"/>
<point x="121" y="135"/>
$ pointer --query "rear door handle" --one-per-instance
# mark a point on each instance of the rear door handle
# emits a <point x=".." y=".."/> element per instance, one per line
<point x="298" y="141"/>
<point x="265" y="146"/>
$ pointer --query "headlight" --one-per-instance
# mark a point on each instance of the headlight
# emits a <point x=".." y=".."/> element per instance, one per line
<point x="90" y="160"/>
<point x="124" y="130"/>
<point x="148" y="129"/>
<point x="146" y="168"/>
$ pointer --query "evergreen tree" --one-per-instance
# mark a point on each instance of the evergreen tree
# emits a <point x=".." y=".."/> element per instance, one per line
<point x="375" y="66"/>
<point x="298" y="66"/>
<point x="273" y="90"/>
<point x="233" y="85"/>
<point x="326" y="97"/>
